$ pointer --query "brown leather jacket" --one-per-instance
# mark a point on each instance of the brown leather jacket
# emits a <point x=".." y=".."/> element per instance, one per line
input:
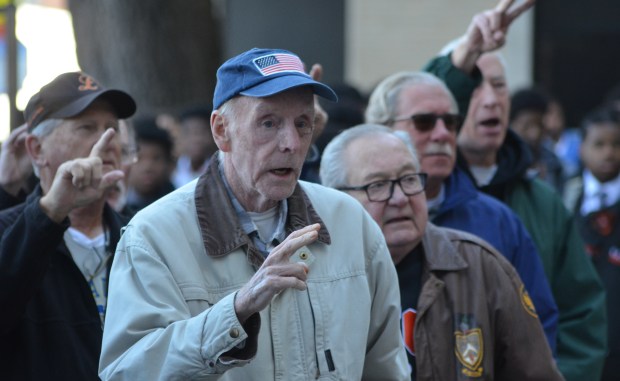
<point x="475" y="319"/>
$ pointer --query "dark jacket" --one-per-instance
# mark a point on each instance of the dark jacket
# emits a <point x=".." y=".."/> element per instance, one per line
<point x="50" y="325"/>
<point x="474" y="319"/>
<point x="7" y="200"/>
<point x="576" y="287"/>
<point x="601" y="232"/>
<point x="466" y="208"/>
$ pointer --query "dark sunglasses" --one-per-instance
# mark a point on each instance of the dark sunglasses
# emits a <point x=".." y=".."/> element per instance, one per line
<point x="426" y="122"/>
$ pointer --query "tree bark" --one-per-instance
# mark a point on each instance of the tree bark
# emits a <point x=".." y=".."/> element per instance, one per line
<point x="164" y="53"/>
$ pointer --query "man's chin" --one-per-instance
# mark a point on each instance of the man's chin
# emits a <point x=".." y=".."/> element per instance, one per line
<point x="279" y="192"/>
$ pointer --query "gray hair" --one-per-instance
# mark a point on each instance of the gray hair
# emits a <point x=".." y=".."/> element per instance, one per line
<point x="384" y="99"/>
<point x="230" y="108"/>
<point x="42" y="130"/>
<point x="334" y="171"/>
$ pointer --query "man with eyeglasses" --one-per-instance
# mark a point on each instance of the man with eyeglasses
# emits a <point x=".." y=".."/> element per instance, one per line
<point x="465" y="314"/>
<point x="248" y="273"/>
<point x="420" y="105"/>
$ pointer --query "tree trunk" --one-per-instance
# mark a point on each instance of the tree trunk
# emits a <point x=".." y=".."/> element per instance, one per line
<point x="164" y="53"/>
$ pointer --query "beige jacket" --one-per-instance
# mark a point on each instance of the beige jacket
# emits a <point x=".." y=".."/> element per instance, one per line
<point x="180" y="262"/>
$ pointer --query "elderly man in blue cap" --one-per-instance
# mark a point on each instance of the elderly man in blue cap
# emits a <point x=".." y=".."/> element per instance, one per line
<point x="248" y="273"/>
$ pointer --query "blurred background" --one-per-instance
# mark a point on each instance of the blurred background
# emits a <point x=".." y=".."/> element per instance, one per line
<point x="165" y="53"/>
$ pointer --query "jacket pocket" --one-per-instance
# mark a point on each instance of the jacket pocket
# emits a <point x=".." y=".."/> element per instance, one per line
<point x="197" y="297"/>
<point x="340" y="326"/>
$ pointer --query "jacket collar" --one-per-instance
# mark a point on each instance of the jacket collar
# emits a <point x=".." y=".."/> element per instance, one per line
<point x="219" y="226"/>
<point x="439" y="252"/>
<point x="459" y="189"/>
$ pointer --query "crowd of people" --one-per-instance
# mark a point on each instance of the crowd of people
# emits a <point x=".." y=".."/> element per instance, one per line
<point x="446" y="227"/>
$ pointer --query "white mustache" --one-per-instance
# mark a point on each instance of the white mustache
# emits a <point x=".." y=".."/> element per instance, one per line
<point x="439" y="149"/>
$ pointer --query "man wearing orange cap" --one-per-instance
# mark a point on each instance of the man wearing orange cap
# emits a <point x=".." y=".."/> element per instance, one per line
<point x="56" y="247"/>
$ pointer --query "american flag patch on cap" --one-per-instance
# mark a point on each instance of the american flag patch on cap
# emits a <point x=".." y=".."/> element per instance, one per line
<point x="278" y="63"/>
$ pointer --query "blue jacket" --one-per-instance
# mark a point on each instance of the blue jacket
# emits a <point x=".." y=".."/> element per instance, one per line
<point x="466" y="208"/>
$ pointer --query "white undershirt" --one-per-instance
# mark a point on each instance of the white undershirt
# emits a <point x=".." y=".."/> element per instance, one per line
<point x="266" y="223"/>
<point x="483" y="175"/>
<point x="91" y="257"/>
<point x="593" y="191"/>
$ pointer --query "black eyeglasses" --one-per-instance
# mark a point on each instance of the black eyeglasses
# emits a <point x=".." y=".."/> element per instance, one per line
<point x="426" y="122"/>
<point x="383" y="190"/>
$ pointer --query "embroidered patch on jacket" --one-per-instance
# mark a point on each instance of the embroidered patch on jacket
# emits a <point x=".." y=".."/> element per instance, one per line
<point x="469" y="349"/>
<point x="527" y="303"/>
<point x="603" y="222"/>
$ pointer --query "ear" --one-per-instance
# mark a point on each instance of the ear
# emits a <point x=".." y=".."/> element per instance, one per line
<point x="34" y="149"/>
<point x="220" y="130"/>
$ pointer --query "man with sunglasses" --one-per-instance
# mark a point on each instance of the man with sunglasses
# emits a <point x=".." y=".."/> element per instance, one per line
<point x="496" y="161"/>
<point x="420" y="104"/>
<point x="473" y="319"/>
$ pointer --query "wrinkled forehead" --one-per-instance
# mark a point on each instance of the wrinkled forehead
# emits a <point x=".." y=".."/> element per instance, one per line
<point x="380" y="156"/>
<point x="492" y="66"/>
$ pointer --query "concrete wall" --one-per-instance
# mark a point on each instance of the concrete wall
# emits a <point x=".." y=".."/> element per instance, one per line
<point x="382" y="37"/>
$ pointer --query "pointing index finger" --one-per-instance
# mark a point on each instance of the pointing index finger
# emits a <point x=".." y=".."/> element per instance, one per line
<point x="294" y="241"/>
<point x="102" y="143"/>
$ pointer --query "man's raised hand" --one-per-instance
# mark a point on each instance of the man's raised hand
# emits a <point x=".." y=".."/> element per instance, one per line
<point x="487" y="32"/>
<point x="276" y="274"/>
<point x="81" y="181"/>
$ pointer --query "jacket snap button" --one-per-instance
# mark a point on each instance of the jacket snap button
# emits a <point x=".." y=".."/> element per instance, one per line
<point x="234" y="333"/>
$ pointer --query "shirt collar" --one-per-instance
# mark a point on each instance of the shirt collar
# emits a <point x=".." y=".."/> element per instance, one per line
<point x="245" y="221"/>
<point x="220" y="227"/>
<point x="592" y="189"/>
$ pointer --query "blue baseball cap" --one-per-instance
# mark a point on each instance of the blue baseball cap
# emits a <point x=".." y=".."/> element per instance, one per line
<point x="262" y="73"/>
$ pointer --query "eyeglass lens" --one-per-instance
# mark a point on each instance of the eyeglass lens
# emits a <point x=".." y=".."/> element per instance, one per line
<point x="426" y="122"/>
<point x="383" y="190"/>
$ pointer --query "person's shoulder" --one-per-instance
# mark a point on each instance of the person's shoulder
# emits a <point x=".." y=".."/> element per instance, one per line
<point x="318" y="192"/>
<point x="9" y="215"/>
<point x="457" y="237"/>
<point x="497" y="207"/>
<point x="473" y="249"/>
<point x="543" y="193"/>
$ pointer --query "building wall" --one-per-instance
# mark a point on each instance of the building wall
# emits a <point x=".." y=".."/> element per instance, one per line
<point x="313" y="29"/>
<point x="383" y="37"/>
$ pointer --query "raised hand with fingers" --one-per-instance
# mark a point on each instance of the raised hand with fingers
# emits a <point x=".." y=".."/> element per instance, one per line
<point x="81" y="181"/>
<point x="276" y="274"/>
<point x="15" y="164"/>
<point x="487" y="32"/>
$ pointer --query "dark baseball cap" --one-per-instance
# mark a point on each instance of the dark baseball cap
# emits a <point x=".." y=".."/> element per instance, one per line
<point x="71" y="93"/>
<point x="262" y="73"/>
